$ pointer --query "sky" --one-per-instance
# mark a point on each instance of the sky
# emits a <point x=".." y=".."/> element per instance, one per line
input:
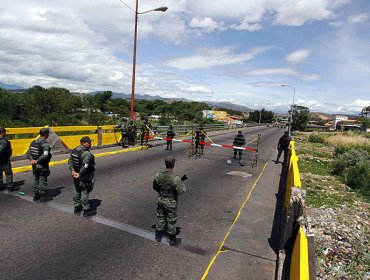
<point x="260" y="54"/>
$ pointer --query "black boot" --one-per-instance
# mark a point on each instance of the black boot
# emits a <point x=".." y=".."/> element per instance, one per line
<point x="77" y="209"/>
<point x="174" y="240"/>
<point x="158" y="236"/>
<point x="36" y="196"/>
<point x="89" y="212"/>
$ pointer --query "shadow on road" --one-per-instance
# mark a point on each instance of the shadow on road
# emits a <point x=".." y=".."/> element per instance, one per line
<point x="94" y="203"/>
<point x="278" y="227"/>
<point x="53" y="192"/>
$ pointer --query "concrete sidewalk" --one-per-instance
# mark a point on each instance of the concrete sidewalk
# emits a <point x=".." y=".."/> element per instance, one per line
<point x="250" y="249"/>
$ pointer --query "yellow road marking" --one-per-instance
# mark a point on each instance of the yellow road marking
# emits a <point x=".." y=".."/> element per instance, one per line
<point x="205" y="274"/>
<point x="52" y="163"/>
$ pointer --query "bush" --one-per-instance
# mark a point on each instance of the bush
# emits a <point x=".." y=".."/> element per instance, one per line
<point x="348" y="159"/>
<point x="358" y="176"/>
<point x="316" y="137"/>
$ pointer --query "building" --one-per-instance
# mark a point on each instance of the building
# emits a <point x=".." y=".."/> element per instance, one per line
<point x="215" y="115"/>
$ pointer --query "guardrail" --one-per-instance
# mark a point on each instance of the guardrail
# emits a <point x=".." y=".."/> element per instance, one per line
<point x="297" y="243"/>
<point x="102" y="135"/>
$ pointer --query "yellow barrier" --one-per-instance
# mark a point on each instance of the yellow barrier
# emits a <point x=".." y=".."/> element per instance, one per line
<point x="20" y="146"/>
<point x="293" y="178"/>
<point x="299" y="266"/>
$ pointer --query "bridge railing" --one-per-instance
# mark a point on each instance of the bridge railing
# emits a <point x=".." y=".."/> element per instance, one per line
<point x="297" y="242"/>
<point x="22" y="137"/>
<point x="68" y="137"/>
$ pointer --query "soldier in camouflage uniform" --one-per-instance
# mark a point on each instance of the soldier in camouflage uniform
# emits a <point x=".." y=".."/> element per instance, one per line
<point x="39" y="156"/>
<point x="169" y="186"/>
<point x="81" y="163"/>
<point x="5" y="165"/>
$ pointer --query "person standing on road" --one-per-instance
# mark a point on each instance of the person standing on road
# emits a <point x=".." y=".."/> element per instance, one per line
<point x="200" y="136"/>
<point x="5" y="165"/>
<point x="239" y="141"/>
<point x="39" y="156"/>
<point x="81" y="163"/>
<point x="283" y="145"/>
<point x="170" y="135"/>
<point x="168" y="186"/>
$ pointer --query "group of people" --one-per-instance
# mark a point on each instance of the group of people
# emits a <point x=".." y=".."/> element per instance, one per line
<point x="128" y="134"/>
<point x="81" y="164"/>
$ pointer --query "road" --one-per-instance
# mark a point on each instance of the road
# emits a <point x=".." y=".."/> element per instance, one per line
<point x="50" y="242"/>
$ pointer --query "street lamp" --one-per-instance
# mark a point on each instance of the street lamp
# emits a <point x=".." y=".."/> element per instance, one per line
<point x="161" y="9"/>
<point x="291" y="110"/>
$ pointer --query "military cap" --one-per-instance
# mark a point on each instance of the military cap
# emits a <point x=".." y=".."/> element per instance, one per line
<point x="86" y="139"/>
<point x="44" y="130"/>
<point x="170" y="160"/>
<point x="2" y="129"/>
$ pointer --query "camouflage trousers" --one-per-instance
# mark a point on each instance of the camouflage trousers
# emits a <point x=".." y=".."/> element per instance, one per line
<point x="80" y="195"/>
<point x="166" y="215"/>
<point x="40" y="180"/>
<point x="6" y="168"/>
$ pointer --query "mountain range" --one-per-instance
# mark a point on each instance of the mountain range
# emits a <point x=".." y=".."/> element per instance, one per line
<point x="213" y="104"/>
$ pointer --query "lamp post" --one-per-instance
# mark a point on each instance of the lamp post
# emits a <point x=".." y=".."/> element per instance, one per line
<point x="291" y="110"/>
<point x="161" y="9"/>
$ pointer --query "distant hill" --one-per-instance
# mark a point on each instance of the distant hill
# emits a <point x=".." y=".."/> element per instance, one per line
<point x="10" y="87"/>
<point x="213" y="104"/>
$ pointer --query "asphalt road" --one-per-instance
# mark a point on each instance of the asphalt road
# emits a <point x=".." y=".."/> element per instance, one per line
<point x="48" y="242"/>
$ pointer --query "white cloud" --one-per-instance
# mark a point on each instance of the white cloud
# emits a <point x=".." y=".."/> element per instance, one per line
<point x="283" y="72"/>
<point x="207" y="58"/>
<point x="360" y="18"/>
<point x="198" y="89"/>
<point x="207" y="24"/>
<point x="298" y="55"/>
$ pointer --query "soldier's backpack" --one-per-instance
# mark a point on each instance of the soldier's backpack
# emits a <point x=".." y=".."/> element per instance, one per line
<point x="76" y="159"/>
<point x="36" y="149"/>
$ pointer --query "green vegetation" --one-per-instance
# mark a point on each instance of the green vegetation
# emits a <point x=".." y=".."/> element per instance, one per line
<point x="336" y="203"/>
<point x="38" y="106"/>
<point x="266" y="116"/>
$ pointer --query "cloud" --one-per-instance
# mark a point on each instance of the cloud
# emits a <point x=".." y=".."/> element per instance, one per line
<point x="212" y="57"/>
<point x="207" y="24"/>
<point x="198" y="89"/>
<point x="360" y="18"/>
<point x="298" y="55"/>
<point x="283" y="72"/>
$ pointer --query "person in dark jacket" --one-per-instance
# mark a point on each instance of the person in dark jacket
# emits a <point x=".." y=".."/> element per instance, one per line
<point x="283" y="145"/>
<point x="239" y="141"/>
<point x="81" y="163"/>
<point x="170" y="135"/>
<point x="5" y="165"/>
<point x="39" y="156"/>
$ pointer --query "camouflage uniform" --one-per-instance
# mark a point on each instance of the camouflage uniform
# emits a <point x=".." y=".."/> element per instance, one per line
<point x="5" y="165"/>
<point x="82" y="162"/>
<point x="169" y="186"/>
<point x="39" y="151"/>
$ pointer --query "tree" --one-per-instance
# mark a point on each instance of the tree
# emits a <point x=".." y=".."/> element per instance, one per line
<point x="365" y="111"/>
<point x="266" y="116"/>
<point x="301" y="116"/>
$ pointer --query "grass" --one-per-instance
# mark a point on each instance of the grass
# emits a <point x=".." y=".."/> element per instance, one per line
<point x="336" y="206"/>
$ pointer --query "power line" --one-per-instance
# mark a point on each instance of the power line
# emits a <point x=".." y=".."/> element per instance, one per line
<point x="127" y="6"/>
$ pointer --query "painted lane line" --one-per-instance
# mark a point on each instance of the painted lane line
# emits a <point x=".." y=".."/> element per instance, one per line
<point x="115" y="224"/>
